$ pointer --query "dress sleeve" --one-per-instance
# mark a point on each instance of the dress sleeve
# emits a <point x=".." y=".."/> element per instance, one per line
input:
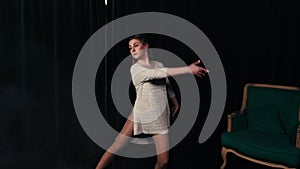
<point x="141" y="74"/>
<point x="170" y="90"/>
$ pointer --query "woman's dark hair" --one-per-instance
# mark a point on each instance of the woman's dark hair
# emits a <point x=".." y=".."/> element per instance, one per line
<point x="141" y="38"/>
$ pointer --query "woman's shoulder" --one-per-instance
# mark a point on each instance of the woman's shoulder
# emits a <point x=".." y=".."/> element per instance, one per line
<point x="158" y="64"/>
<point x="135" y="67"/>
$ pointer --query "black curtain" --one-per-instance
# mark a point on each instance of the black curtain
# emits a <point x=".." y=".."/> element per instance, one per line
<point x="40" y="41"/>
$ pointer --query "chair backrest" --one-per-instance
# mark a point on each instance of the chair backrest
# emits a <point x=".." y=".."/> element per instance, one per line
<point x="286" y="99"/>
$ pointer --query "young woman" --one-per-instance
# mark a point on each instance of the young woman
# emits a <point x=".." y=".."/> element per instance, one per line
<point x="150" y="114"/>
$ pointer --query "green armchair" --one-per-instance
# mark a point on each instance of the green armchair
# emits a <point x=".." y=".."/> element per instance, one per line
<point x="266" y="130"/>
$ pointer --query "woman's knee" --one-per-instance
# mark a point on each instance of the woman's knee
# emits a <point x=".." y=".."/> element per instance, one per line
<point x="115" y="147"/>
<point x="163" y="161"/>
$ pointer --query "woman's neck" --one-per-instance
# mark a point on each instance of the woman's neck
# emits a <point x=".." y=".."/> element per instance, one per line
<point x="146" y="63"/>
<point x="144" y="60"/>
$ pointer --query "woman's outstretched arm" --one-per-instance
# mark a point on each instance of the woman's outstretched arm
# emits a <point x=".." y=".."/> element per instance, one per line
<point x="191" y="69"/>
<point x="141" y="74"/>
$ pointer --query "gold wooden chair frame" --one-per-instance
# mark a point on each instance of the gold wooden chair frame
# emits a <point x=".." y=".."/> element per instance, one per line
<point x="243" y="107"/>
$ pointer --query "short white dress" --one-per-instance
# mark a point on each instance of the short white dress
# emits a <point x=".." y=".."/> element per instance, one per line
<point x="151" y="109"/>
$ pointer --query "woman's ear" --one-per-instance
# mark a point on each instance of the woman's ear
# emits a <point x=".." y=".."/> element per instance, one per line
<point x="146" y="46"/>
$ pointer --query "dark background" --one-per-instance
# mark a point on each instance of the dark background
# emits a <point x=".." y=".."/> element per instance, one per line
<point x="257" y="41"/>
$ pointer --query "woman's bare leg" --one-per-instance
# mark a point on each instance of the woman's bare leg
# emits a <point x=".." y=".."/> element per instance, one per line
<point x="161" y="142"/>
<point x="120" y="141"/>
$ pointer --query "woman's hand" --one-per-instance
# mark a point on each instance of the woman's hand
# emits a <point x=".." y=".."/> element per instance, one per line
<point x="197" y="70"/>
<point x="175" y="106"/>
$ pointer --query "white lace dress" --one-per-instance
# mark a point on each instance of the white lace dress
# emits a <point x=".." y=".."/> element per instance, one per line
<point x="151" y="109"/>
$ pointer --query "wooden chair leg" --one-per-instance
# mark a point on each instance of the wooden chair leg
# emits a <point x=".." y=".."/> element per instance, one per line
<point x="224" y="153"/>
<point x="224" y="156"/>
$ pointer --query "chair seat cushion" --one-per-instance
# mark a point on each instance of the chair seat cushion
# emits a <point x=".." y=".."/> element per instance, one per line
<point x="270" y="147"/>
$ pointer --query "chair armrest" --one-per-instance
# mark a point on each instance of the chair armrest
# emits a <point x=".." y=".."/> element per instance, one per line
<point x="236" y="121"/>
<point x="298" y="136"/>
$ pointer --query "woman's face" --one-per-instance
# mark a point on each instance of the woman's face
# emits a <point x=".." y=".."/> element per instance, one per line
<point x="137" y="48"/>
